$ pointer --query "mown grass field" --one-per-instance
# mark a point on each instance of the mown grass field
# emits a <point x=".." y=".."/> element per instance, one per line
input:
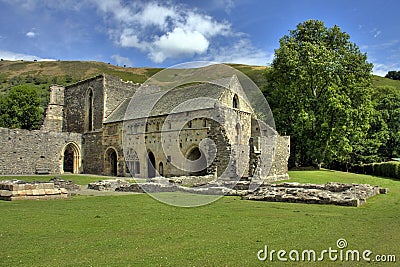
<point x="136" y="230"/>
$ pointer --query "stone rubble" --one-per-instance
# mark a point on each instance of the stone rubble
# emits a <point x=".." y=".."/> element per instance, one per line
<point x="330" y="193"/>
<point x="21" y="190"/>
<point x="107" y="185"/>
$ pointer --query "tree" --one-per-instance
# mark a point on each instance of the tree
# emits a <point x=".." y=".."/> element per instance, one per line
<point x="394" y="75"/>
<point x="386" y="101"/>
<point x="20" y="108"/>
<point x="318" y="87"/>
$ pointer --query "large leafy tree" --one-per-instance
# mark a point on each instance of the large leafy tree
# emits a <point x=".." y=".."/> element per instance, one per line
<point x="318" y="87"/>
<point x="20" y="108"/>
<point x="386" y="101"/>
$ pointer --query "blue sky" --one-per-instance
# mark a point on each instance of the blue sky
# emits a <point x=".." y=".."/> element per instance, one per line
<point x="164" y="33"/>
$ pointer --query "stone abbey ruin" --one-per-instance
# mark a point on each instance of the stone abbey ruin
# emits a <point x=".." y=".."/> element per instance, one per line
<point x="103" y="125"/>
<point x="85" y="125"/>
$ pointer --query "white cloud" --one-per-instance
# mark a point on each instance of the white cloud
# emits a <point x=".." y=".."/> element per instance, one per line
<point x="153" y="14"/>
<point x="120" y="60"/>
<point x="242" y="52"/>
<point x="226" y="5"/>
<point x="206" y="25"/>
<point x="31" y="5"/>
<point x="164" y="30"/>
<point x="177" y="43"/>
<point x="30" y="34"/>
<point x="382" y="69"/>
<point x="375" y="32"/>
<point x="128" y="38"/>
<point x="8" y="55"/>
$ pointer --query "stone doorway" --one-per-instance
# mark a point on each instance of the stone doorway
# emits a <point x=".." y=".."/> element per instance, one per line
<point x="70" y="159"/>
<point x="111" y="162"/>
<point x="151" y="163"/>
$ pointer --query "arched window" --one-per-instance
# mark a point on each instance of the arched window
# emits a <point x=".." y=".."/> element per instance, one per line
<point x="235" y="102"/>
<point x="89" y="112"/>
<point x="132" y="162"/>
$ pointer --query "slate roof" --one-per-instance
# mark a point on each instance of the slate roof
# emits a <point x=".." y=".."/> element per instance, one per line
<point x="194" y="97"/>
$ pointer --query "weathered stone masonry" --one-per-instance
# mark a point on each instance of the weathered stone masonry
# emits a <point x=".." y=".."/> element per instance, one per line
<point x="27" y="152"/>
<point x="84" y="128"/>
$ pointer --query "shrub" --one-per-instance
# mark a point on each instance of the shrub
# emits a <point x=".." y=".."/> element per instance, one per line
<point x="385" y="169"/>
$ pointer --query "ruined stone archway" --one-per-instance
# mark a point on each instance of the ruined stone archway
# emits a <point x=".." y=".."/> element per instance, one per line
<point x="70" y="158"/>
<point x="198" y="164"/>
<point x="111" y="162"/>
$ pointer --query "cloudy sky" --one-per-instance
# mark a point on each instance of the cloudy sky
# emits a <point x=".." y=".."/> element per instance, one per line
<point x="163" y="33"/>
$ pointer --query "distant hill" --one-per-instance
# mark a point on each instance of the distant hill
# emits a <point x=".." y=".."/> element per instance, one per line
<point x="43" y="73"/>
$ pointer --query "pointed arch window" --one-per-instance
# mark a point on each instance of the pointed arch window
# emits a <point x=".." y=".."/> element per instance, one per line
<point x="235" y="102"/>
<point x="89" y="111"/>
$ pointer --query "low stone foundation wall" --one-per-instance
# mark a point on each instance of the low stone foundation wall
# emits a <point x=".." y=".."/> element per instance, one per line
<point x="20" y="190"/>
<point x="107" y="185"/>
<point x="330" y="193"/>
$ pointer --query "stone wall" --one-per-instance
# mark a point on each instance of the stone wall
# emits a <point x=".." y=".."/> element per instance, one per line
<point x="93" y="153"/>
<point x="116" y="91"/>
<point x="53" y="120"/>
<point x="112" y="141"/>
<point x="26" y="152"/>
<point x="272" y="162"/>
<point x="76" y="105"/>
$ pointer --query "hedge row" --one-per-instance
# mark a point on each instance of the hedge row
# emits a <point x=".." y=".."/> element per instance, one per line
<point x="386" y="169"/>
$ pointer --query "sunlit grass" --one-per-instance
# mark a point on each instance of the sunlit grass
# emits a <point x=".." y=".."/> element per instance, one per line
<point x="136" y="230"/>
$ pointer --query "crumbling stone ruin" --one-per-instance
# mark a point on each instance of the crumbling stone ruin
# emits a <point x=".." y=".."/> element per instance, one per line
<point x="331" y="193"/>
<point x="84" y="127"/>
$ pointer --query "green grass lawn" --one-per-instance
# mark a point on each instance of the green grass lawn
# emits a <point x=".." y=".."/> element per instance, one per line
<point x="136" y="230"/>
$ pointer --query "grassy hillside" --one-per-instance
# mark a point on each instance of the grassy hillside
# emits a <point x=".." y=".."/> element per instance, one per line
<point x="66" y="72"/>
<point x="381" y="81"/>
<point x="42" y="74"/>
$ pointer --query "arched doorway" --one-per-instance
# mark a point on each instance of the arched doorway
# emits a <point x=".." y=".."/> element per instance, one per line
<point x="111" y="162"/>
<point x="151" y="163"/>
<point x="70" y="159"/>
<point x="68" y="164"/>
<point x="198" y="163"/>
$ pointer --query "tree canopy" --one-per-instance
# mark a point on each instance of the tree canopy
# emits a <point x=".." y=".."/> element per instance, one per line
<point x="318" y="86"/>
<point x="20" y="108"/>
<point x="386" y="100"/>
<point x="394" y="75"/>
